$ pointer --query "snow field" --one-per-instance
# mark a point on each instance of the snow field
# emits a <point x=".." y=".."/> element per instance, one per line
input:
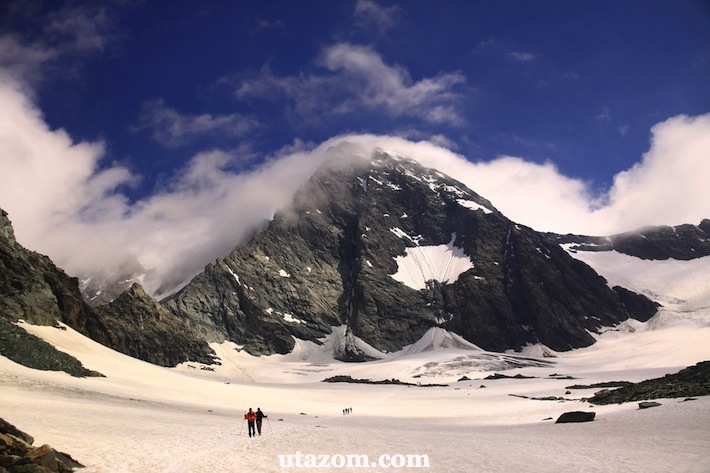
<point x="145" y="418"/>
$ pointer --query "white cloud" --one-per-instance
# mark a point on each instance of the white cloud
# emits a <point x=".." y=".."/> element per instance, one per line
<point x="82" y="28"/>
<point x="66" y="202"/>
<point x="48" y="183"/>
<point x="521" y="56"/>
<point x="69" y="33"/>
<point x="390" y="87"/>
<point x="172" y="128"/>
<point x="667" y="187"/>
<point x="670" y="184"/>
<point x="359" y="80"/>
<point x="267" y="25"/>
<point x="20" y="61"/>
<point x="370" y="14"/>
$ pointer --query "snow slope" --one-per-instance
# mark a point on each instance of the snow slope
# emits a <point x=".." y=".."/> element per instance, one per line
<point x="681" y="287"/>
<point x="145" y="418"/>
<point x="443" y="263"/>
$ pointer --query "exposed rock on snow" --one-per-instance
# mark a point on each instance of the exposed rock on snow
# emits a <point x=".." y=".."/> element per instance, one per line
<point x="576" y="416"/>
<point x="691" y="381"/>
<point x="649" y="404"/>
<point x="135" y="324"/>
<point x="33" y="352"/>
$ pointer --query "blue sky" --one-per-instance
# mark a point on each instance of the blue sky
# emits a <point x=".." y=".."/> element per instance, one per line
<point x="144" y="102"/>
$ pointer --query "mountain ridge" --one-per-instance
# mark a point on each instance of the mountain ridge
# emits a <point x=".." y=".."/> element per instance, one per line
<point x="681" y="242"/>
<point x="328" y="261"/>
<point x="373" y="252"/>
<point x="34" y="290"/>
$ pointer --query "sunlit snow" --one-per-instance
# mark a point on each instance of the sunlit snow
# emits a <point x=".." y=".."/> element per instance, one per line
<point x="469" y="204"/>
<point x="291" y="318"/>
<point x="678" y="285"/>
<point x="442" y="263"/>
<point x="236" y="276"/>
<point x="145" y="418"/>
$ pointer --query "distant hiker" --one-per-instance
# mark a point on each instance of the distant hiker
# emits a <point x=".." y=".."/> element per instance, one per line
<point x="259" y="419"/>
<point x="251" y="418"/>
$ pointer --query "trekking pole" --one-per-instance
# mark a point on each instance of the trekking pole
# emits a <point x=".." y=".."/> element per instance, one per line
<point x="270" y="429"/>
<point x="242" y="428"/>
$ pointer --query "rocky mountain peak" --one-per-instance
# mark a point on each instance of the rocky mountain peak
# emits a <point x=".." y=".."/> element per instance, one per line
<point x="388" y="249"/>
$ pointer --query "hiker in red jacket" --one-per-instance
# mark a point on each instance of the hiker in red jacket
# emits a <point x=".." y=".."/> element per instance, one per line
<point x="251" y="419"/>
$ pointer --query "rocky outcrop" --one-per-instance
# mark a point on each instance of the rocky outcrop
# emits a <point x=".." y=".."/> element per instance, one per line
<point x="691" y="381"/>
<point x="17" y="455"/>
<point x="135" y="324"/>
<point x="372" y="243"/>
<point x="682" y="242"/>
<point x="639" y="307"/>
<point x="649" y="404"/>
<point x="33" y="289"/>
<point x="31" y="351"/>
<point x="576" y="416"/>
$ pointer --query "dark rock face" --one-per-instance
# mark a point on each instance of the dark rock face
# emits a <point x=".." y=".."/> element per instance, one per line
<point x="691" y="381"/>
<point x="136" y="325"/>
<point x="576" y="416"/>
<point x="639" y="307"/>
<point x="682" y="242"/>
<point x="33" y="289"/>
<point x="26" y="349"/>
<point x="329" y="260"/>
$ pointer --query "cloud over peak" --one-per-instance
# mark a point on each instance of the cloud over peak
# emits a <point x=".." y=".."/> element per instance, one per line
<point x="357" y="80"/>
<point x="369" y="14"/>
<point x="172" y="128"/>
<point x="85" y="223"/>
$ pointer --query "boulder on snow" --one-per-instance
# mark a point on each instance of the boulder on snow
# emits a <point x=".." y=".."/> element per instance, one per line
<point x="575" y="416"/>
<point x="648" y="404"/>
<point x="18" y="455"/>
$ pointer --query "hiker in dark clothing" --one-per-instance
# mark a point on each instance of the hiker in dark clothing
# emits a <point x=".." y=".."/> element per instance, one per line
<point x="251" y="418"/>
<point x="259" y="419"/>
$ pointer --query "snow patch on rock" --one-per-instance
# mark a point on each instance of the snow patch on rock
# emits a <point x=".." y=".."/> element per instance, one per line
<point x="442" y="263"/>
